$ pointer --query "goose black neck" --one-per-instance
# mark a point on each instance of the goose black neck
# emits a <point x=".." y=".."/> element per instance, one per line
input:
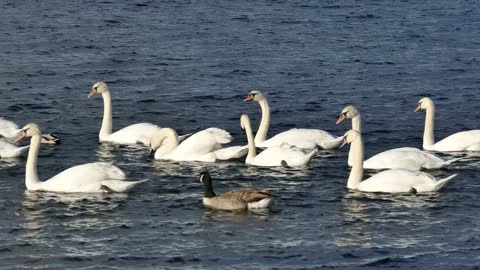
<point x="207" y="183"/>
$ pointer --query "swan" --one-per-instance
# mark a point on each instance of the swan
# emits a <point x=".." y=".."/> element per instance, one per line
<point x="389" y="181"/>
<point x="282" y="155"/>
<point x="301" y="138"/>
<point x="133" y="134"/>
<point x="87" y="178"/>
<point x="397" y="158"/>
<point x="234" y="200"/>
<point x="201" y="146"/>
<point x="10" y="130"/>
<point x="461" y="141"/>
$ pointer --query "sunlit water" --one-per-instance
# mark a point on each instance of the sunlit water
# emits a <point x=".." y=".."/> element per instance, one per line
<point x="188" y="65"/>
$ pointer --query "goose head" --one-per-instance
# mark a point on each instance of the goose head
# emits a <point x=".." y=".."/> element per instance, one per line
<point x="254" y="95"/>
<point x="424" y="104"/>
<point x="98" y="88"/>
<point x="29" y="130"/>
<point x="206" y="179"/>
<point x="350" y="136"/>
<point x="348" y="112"/>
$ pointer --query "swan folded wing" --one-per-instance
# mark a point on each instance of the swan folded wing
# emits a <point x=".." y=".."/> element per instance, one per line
<point x="8" y="128"/>
<point x="397" y="181"/>
<point x="460" y="141"/>
<point x="119" y="186"/>
<point x="304" y="138"/>
<point x="274" y="156"/>
<point x="232" y="152"/>
<point x="204" y="142"/>
<point x="140" y="133"/>
<point x="404" y="158"/>
<point x="88" y="173"/>
<point x="8" y="150"/>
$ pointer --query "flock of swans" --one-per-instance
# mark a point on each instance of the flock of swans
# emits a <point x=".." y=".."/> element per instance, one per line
<point x="295" y="147"/>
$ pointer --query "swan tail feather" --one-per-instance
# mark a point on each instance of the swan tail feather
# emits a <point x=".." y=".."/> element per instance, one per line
<point x="443" y="181"/>
<point x="449" y="162"/>
<point x="331" y="144"/>
<point x="119" y="186"/>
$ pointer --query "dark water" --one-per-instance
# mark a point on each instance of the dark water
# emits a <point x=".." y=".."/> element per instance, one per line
<point x="188" y="65"/>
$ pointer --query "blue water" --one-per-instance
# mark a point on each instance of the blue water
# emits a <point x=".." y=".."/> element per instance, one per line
<point x="188" y="65"/>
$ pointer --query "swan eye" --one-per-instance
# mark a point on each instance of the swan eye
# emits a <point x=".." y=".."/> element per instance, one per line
<point x="96" y="87"/>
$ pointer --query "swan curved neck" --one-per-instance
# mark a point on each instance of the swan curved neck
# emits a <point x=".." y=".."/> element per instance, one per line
<point x="168" y="141"/>
<point x="262" y="131"/>
<point x="31" y="176"/>
<point x="356" y="174"/>
<point x="252" y="152"/>
<point x="428" y="136"/>
<point x="107" y="116"/>
<point x="356" y="125"/>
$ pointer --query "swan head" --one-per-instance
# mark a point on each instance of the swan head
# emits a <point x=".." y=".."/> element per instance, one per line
<point x="206" y="179"/>
<point x="254" y="95"/>
<point x="29" y="130"/>
<point x="166" y="138"/>
<point x="350" y="136"/>
<point x="98" y="88"/>
<point x="423" y="104"/>
<point x="244" y="121"/>
<point x="348" y="112"/>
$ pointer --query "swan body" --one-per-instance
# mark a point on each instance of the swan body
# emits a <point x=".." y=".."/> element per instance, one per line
<point x="282" y="155"/>
<point x="134" y="134"/>
<point x="398" y="158"/>
<point x="390" y="181"/>
<point x="301" y="138"/>
<point x="461" y="141"/>
<point x="236" y="199"/>
<point x="8" y="150"/>
<point x="87" y="178"/>
<point x="200" y="146"/>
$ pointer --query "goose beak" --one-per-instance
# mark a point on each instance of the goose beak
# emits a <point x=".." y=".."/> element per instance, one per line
<point x="419" y="107"/>
<point x="249" y="98"/>
<point x="92" y="93"/>
<point x="344" y="142"/>
<point x="151" y="153"/>
<point x="342" y="118"/>
<point x="21" y="136"/>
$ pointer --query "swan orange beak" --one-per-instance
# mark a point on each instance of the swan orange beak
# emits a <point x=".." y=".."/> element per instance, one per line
<point x="419" y="107"/>
<point x="249" y="98"/>
<point x="92" y="93"/>
<point x="22" y="136"/>
<point x="342" y="118"/>
<point x="344" y="142"/>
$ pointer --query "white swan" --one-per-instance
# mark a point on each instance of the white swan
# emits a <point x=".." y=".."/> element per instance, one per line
<point x="133" y="134"/>
<point x="302" y="138"/>
<point x="390" y="181"/>
<point x="461" y="141"/>
<point x="10" y="130"/>
<point x="200" y="146"/>
<point x="397" y="158"/>
<point x="88" y="178"/>
<point x="282" y="155"/>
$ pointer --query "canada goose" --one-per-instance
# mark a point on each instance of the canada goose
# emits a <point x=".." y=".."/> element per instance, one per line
<point x="233" y="200"/>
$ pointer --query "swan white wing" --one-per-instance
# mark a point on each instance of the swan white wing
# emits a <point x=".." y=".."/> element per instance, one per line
<point x="8" y="150"/>
<point x="232" y="152"/>
<point x="398" y="181"/>
<point x="303" y="138"/>
<point x="274" y="156"/>
<point x="460" y="141"/>
<point x="404" y="158"/>
<point x="204" y="142"/>
<point x="140" y="133"/>
<point x="8" y="128"/>
<point x="83" y="178"/>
